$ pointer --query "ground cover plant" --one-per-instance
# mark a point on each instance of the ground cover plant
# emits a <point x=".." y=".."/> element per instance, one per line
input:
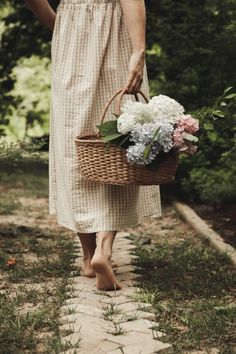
<point x="191" y="286"/>
<point x="36" y="259"/>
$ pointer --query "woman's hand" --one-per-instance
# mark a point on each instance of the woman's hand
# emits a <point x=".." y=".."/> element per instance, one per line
<point x="135" y="77"/>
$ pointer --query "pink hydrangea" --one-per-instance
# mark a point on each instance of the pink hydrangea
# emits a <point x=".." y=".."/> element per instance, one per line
<point x="181" y="144"/>
<point x="178" y="137"/>
<point x="188" y="149"/>
<point x="188" y="124"/>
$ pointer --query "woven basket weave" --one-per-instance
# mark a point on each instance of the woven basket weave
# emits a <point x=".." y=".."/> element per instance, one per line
<point x="107" y="163"/>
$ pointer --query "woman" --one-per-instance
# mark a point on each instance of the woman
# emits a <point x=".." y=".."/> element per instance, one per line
<point x="98" y="47"/>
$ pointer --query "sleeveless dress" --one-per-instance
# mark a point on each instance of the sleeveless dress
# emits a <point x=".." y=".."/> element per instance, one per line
<point x="90" y="53"/>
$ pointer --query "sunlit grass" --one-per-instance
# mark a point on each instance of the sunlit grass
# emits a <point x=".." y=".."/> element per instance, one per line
<point x="191" y="288"/>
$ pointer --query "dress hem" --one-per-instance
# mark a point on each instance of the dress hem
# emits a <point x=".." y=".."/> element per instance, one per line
<point x="118" y="227"/>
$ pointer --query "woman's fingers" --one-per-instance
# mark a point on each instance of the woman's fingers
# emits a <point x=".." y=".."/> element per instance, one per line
<point x="134" y="82"/>
<point x="130" y="81"/>
<point x="134" y="87"/>
<point x="135" y="76"/>
<point x="137" y="84"/>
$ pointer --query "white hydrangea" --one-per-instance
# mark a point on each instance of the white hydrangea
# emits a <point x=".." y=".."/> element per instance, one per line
<point x="165" y="108"/>
<point x="142" y="112"/>
<point x="125" y="123"/>
<point x="133" y="113"/>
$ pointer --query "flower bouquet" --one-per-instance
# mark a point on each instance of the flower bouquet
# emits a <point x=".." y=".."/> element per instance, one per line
<point x="142" y="144"/>
<point x="147" y="130"/>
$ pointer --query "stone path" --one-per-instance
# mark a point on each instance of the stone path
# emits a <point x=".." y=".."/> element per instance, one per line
<point x="110" y="322"/>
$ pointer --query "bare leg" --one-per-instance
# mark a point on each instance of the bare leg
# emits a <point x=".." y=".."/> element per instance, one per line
<point x="88" y="243"/>
<point x="101" y="261"/>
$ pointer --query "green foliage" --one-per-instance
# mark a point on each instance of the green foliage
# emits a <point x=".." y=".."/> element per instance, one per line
<point x="209" y="175"/>
<point x="109" y="130"/>
<point x="192" y="49"/>
<point x="109" y="133"/>
<point x="191" y="289"/>
<point x="14" y="155"/>
<point x="212" y="186"/>
<point x="31" y="91"/>
<point x="21" y="36"/>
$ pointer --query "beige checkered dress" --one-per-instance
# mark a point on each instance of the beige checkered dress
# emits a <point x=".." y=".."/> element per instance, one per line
<point x="90" y="54"/>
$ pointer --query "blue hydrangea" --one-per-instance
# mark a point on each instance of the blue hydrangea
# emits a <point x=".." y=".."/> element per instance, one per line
<point x="164" y="138"/>
<point x="135" y="154"/>
<point x="143" y="133"/>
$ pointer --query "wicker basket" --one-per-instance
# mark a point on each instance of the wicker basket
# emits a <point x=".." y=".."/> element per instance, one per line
<point x="107" y="163"/>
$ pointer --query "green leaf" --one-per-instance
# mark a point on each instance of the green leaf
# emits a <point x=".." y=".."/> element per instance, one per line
<point x="232" y="95"/>
<point x="116" y="115"/>
<point x="149" y="146"/>
<point x="218" y="113"/>
<point x="190" y="137"/>
<point x="155" y="134"/>
<point x="212" y="135"/>
<point x="111" y="137"/>
<point x="108" y="128"/>
<point x="123" y="141"/>
<point x="228" y="89"/>
<point x="147" y="150"/>
<point x="208" y="126"/>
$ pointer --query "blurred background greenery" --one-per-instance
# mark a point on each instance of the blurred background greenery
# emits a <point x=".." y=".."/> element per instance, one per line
<point x="191" y="56"/>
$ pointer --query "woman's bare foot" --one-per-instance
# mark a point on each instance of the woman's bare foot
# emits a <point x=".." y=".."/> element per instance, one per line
<point x="88" y="242"/>
<point x="106" y="279"/>
<point x="87" y="270"/>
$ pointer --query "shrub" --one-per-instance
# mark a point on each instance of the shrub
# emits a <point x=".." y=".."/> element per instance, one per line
<point x="209" y="175"/>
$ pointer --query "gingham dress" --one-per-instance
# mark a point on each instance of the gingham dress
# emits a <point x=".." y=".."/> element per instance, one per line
<point x="90" y="54"/>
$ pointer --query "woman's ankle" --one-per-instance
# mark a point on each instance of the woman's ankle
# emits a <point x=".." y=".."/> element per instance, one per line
<point x="103" y="251"/>
<point x="105" y="241"/>
<point x="87" y="256"/>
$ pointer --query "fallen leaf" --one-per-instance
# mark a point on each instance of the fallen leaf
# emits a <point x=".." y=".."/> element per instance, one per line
<point x="11" y="262"/>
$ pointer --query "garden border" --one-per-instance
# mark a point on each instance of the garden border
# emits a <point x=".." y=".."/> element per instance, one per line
<point x="200" y="226"/>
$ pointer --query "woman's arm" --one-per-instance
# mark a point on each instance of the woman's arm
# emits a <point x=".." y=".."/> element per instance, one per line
<point x="43" y="11"/>
<point x="134" y="12"/>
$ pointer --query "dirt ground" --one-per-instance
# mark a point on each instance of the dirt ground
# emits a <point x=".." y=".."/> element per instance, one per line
<point x="222" y="220"/>
<point x="43" y="253"/>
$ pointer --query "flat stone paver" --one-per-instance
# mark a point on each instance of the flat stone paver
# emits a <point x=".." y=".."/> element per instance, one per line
<point x="134" y="315"/>
<point x="110" y="322"/>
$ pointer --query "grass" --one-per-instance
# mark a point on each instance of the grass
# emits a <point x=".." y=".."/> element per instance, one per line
<point x="18" y="331"/>
<point x="109" y="310"/>
<point x="29" y="311"/>
<point x="8" y="203"/>
<point x="191" y="288"/>
<point x="35" y="263"/>
<point x="44" y="264"/>
<point x="25" y="184"/>
<point x="118" y="329"/>
<point x="130" y="317"/>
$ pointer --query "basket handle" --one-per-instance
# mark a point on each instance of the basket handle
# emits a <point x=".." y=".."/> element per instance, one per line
<point x="121" y="91"/>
